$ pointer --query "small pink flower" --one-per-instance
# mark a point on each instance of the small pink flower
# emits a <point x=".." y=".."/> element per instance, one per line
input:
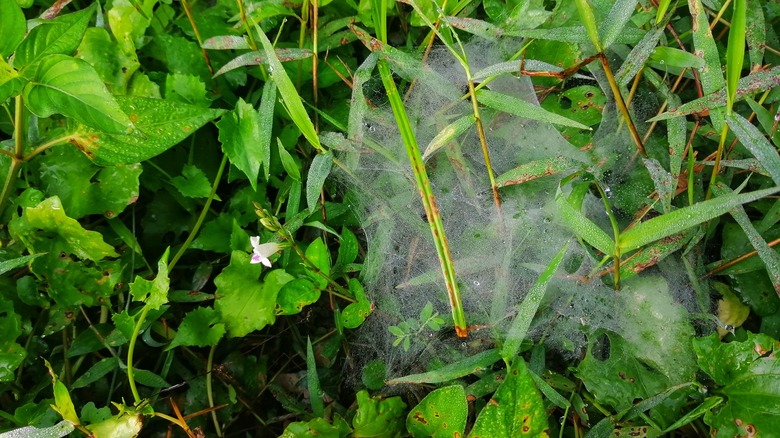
<point x="260" y="253"/>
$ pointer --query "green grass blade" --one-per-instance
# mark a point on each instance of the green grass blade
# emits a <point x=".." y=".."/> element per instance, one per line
<point x="756" y="35"/>
<point x="684" y="218"/>
<point x="583" y="227"/>
<point x="528" y="307"/>
<point x="469" y="365"/>
<point x="711" y="76"/>
<point x="663" y="6"/>
<point x="536" y="169"/>
<point x="449" y="133"/>
<point x="313" y="382"/>
<point x="616" y="20"/>
<point x="756" y="143"/>
<point x="428" y="199"/>
<point x="769" y="256"/>
<point x="519" y="107"/>
<point x="290" y="97"/>
<point x="589" y="21"/>
<point x="735" y="52"/>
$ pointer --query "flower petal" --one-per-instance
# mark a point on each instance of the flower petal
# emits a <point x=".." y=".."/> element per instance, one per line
<point x="254" y="240"/>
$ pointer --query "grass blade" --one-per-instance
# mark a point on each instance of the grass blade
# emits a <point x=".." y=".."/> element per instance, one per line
<point x="756" y="143"/>
<point x="428" y="200"/>
<point x="313" y="382"/>
<point x="711" y="75"/>
<point x="536" y="169"/>
<point x="449" y="133"/>
<point x="583" y="227"/>
<point x="589" y="21"/>
<point x="528" y="307"/>
<point x="455" y="370"/>
<point x="684" y="218"/>
<point x="290" y="97"/>
<point x="519" y="107"/>
<point x="616" y="20"/>
<point x="735" y="52"/>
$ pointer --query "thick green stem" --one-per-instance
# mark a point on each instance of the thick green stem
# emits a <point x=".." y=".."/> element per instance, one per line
<point x="428" y="199"/>
<point x="18" y="157"/>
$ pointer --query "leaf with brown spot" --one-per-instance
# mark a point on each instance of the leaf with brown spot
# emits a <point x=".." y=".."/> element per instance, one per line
<point x="441" y="414"/>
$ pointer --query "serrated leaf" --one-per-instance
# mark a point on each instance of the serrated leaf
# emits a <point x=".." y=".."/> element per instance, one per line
<point x="155" y="292"/>
<point x="441" y="414"/>
<point x="61" y="35"/>
<point x="246" y="304"/>
<point x="240" y="134"/>
<point x="515" y="410"/>
<point x="192" y="182"/>
<point x="318" y="173"/>
<point x="72" y="87"/>
<point x="377" y="417"/>
<point x="184" y="88"/>
<point x="14" y="26"/>
<point x="49" y="217"/>
<point x="199" y="328"/>
<point x="159" y="125"/>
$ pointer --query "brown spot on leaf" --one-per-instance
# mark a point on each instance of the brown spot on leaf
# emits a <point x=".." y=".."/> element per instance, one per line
<point x="133" y="118"/>
<point x="418" y="416"/>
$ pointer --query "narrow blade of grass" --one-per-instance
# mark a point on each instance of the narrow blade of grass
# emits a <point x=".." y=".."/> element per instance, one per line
<point x="768" y="255"/>
<point x="588" y="20"/>
<point x="519" y="107"/>
<point x="528" y="307"/>
<point x="290" y="97"/>
<point x="313" y="382"/>
<point x="735" y="52"/>
<point x="672" y="223"/>
<point x="756" y="143"/>
<point x="616" y="20"/>
<point x="535" y="169"/>
<point x="449" y="133"/>
<point x="456" y="370"/>
<point x="583" y="227"/>
<point x="711" y="75"/>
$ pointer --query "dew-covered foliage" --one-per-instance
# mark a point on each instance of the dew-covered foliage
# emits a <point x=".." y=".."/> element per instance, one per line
<point x="484" y="218"/>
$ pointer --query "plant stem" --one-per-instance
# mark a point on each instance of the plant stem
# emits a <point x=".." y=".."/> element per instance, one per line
<point x="131" y="350"/>
<point x="18" y="158"/>
<point x="202" y="216"/>
<point x="483" y="140"/>
<point x="718" y="155"/>
<point x="209" y="390"/>
<point x="621" y="104"/>
<point x="428" y="199"/>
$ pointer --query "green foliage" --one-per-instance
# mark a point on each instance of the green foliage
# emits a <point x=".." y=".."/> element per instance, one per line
<point x="139" y="131"/>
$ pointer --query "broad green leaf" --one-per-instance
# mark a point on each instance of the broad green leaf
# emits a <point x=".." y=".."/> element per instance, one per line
<point x="535" y="169"/>
<point x="518" y="107"/>
<point x="583" y="227"/>
<point x="448" y="134"/>
<point x="61" y="35"/>
<point x="380" y="418"/>
<point x="246" y="304"/>
<point x="72" y="87"/>
<point x="62" y="401"/>
<point x="159" y="125"/>
<point x="355" y="313"/>
<point x="85" y="188"/>
<point x="14" y="26"/>
<point x="187" y="89"/>
<point x="290" y="96"/>
<point x="348" y="248"/>
<point x="317" y="428"/>
<point x="150" y="379"/>
<point x="735" y="51"/>
<point x="288" y="162"/>
<point x="317" y="253"/>
<point x="318" y="173"/>
<point x="11" y="353"/>
<point x="441" y="414"/>
<point x="125" y="424"/>
<point x="240" y="133"/>
<point x="620" y="378"/>
<point x="684" y="218"/>
<point x="153" y="292"/>
<point x="615" y="21"/>
<point x="527" y="309"/>
<point x="128" y="23"/>
<point x="464" y="367"/>
<point x="515" y="410"/>
<point x="114" y="66"/>
<point x="725" y="362"/>
<point x="48" y="219"/>
<point x="192" y="182"/>
<point x="199" y="328"/>
<point x="11" y="84"/>
<point x="296" y="295"/>
<point x="755" y="141"/>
